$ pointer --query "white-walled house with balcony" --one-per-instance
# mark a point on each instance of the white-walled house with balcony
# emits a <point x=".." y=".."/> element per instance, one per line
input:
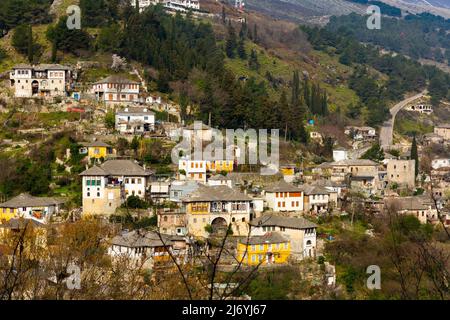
<point x="116" y="90"/>
<point x="41" y="81"/>
<point x="135" y="120"/>
<point x="283" y="196"/>
<point x="300" y="232"/>
<point x="176" y="5"/>
<point x="192" y="169"/>
<point x="107" y="186"/>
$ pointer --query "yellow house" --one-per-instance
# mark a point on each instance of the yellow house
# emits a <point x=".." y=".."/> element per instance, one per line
<point x="271" y="248"/>
<point x="29" y="207"/>
<point x="7" y="213"/>
<point x="97" y="150"/>
<point x="287" y="170"/>
<point x="220" y="165"/>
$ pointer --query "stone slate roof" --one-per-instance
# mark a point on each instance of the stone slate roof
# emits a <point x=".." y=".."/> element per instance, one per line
<point x="42" y="67"/>
<point x="312" y="190"/>
<point x="280" y="221"/>
<point x="116" y="79"/>
<point x="117" y="168"/>
<point x="135" y="111"/>
<point x="282" y="186"/>
<point x="270" y="237"/>
<point x="95" y="144"/>
<point x="27" y="200"/>
<point x="141" y="238"/>
<point x="215" y="193"/>
<point x="20" y="223"/>
<point x="219" y="177"/>
<point x="410" y="203"/>
<point x="354" y="162"/>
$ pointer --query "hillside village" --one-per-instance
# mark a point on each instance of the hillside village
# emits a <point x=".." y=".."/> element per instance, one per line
<point x="99" y="150"/>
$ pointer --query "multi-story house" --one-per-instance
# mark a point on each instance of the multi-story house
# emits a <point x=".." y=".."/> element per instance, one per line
<point x="135" y="120"/>
<point x="422" y="207"/>
<point x="26" y="206"/>
<point x="218" y="207"/>
<point x="318" y="199"/>
<point x="107" y="186"/>
<point x="300" y="232"/>
<point x="192" y="169"/>
<point x="268" y="249"/>
<point x="401" y="172"/>
<point x="361" y="133"/>
<point x="283" y="196"/>
<point x="116" y="90"/>
<point x="177" y="5"/>
<point x="41" y="81"/>
<point x="147" y="248"/>
<point x="421" y="108"/>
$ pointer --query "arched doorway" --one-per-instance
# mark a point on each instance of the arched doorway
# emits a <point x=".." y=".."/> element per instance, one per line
<point x="219" y="225"/>
<point x="35" y="87"/>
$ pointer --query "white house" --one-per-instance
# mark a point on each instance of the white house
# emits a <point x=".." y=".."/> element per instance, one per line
<point x="192" y="169"/>
<point x="300" y="232"/>
<point x="283" y="196"/>
<point x="116" y="90"/>
<point x="177" y="5"/>
<point x="28" y="207"/>
<point x="45" y="80"/>
<point x="340" y="154"/>
<point x="440" y="163"/>
<point x="421" y="108"/>
<point x="107" y="186"/>
<point x="135" y="120"/>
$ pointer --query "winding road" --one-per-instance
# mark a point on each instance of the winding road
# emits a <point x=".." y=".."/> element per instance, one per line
<point x="387" y="129"/>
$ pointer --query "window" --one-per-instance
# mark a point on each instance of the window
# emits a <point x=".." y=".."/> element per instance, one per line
<point x="233" y="219"/>
<point x="139" y="181"/>
<point x="98" y="194"/>
<point x="88" y="194"/>
<point x="243" y="219"/>
<point x="253" y="247"/>
<point x="133" y="181"/>
<point x="253" y="258"/>
<point x="261" y="247"/>
<point x="195" y="220"/>
<point x="165" y="218"/>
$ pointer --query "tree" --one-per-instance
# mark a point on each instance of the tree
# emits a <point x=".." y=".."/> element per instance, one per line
<point x="241" y="49"/>
<point x="68" y="40"/>
<point x="253" y="62"/>
<point x="134" y="144"/>
<point x="110" y="119"/>
<point x="375" y="153"/>
<point x="415" y="155"/>
<point x="231" y="43"/>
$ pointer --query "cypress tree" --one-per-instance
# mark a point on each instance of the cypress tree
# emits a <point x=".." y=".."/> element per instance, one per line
<point x="415" y="155"/>
<point x="30" y="44"/>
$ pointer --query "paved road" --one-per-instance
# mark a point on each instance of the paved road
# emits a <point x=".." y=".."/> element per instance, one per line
<point x="387" y="129"/>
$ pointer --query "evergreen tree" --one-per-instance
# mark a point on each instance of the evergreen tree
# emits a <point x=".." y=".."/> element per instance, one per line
<point x="253" y="62"/>
<point x="30" y="44"/>
<point x="224" y="16"/>
<point x="241" y="49"/>
<point x="415" y="155"/>
<point x="231" y="44"/>
<point x="255" y="33"/>
<point x="295" y="89"/>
